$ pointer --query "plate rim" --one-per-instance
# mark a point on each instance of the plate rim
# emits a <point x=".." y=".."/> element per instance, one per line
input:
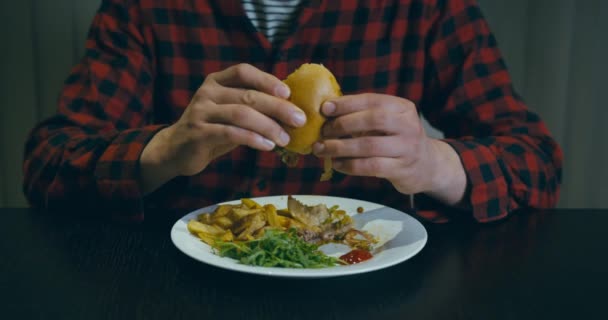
<point x="296" y="272"/>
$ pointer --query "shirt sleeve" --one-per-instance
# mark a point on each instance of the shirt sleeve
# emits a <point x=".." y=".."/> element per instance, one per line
<point x="510" y="159"/>
<point x="86" y="156"/>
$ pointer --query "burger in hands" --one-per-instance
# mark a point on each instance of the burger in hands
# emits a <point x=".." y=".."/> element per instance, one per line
<point x="310" y="85"/>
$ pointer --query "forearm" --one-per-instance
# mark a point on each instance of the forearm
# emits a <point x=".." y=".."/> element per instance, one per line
<point x="502" y="174"/>
<point x="66" y="168"/>
<point x="53" y="175"/>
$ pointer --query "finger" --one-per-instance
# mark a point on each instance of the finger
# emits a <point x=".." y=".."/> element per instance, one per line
<point x="244" y="117"/>
<point x="368" y="167"/>
<point x="277" y="108"/>
<point x="362" y="147"/>
<point x="238" y="136"/>
<point x="380" y="120"/>
<point x="249" y="77"/>
<point x="353" y="103"/>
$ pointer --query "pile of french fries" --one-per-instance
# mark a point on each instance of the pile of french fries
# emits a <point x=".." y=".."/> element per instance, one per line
<point x="244" y="221"/>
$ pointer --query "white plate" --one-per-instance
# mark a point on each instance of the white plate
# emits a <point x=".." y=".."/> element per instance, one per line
<point x="404" y="237"/>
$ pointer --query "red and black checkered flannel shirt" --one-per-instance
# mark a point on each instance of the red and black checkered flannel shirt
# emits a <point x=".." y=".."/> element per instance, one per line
<point x="145" y="59"/>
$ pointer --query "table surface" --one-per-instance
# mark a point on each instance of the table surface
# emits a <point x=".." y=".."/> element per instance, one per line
<point x="533" y="265"/>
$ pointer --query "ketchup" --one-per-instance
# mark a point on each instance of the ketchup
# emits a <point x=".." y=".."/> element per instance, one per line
<point x="356" y="256"/>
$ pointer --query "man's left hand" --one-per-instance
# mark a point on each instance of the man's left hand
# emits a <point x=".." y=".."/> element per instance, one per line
<point x="382" y="136"/>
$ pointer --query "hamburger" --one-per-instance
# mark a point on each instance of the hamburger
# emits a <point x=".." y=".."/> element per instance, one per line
<point x="310" y="85"/>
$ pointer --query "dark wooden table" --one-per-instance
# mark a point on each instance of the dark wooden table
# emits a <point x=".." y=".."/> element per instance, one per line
<point x="534" y="265"/>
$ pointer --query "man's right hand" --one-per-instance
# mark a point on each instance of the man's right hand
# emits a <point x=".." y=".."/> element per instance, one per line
<point x="240" y="105"/>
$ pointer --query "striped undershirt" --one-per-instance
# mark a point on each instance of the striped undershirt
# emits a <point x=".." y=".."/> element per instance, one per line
<point x="273" y="18"/>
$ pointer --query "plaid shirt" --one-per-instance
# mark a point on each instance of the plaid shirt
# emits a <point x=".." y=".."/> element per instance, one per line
<point x="145" y="59"/>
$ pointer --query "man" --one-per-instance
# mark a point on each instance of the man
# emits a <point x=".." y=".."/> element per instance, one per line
<point x="179" y="104"/>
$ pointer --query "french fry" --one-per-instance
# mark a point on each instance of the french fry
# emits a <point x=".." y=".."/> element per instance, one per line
<point x="240" y="213"/>
<point x="228" y="236"/>
<point x="283" y="221"/>
<point x="207" y="238"/>
<point x="258" y="234"/>
<point x="283" y="212"/>
<point x="222" y="210"/>
<point x="219" y="228"/>
<point x="251" y="224"/>
<point x="251" y="204"/>
<point x="197" y="227"/>
<point x="205" y="218"/>
<point x="271" y="215"/>
<point x="224" y="222"/>
<point x="293" y="223"/>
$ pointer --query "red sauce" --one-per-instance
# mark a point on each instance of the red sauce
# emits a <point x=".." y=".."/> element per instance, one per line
<point x="356" y="256"/>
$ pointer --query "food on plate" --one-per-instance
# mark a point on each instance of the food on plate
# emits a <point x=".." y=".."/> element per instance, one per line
<point x="311" y="85"/>
<point x="277" y="248"/>
<point x="249" y="232"/>
<point x="356" y="256"/>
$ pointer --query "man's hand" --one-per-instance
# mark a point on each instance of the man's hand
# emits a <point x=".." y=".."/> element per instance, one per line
<point x="382" y="136"/>
<point x="240" y="105"/>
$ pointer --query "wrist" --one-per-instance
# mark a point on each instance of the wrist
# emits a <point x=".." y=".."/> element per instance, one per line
<point x="448" y="178"/>
<point x="156" y="162"/>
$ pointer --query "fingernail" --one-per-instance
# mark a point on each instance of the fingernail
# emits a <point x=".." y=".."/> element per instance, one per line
<point x="299" y="118"/>
<point x="282" y="91"/>
<point x="329" y="108"/>
<point x="318" y="147"/>
<point x="268" y="143"/>
<point x="284" y="138"/>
